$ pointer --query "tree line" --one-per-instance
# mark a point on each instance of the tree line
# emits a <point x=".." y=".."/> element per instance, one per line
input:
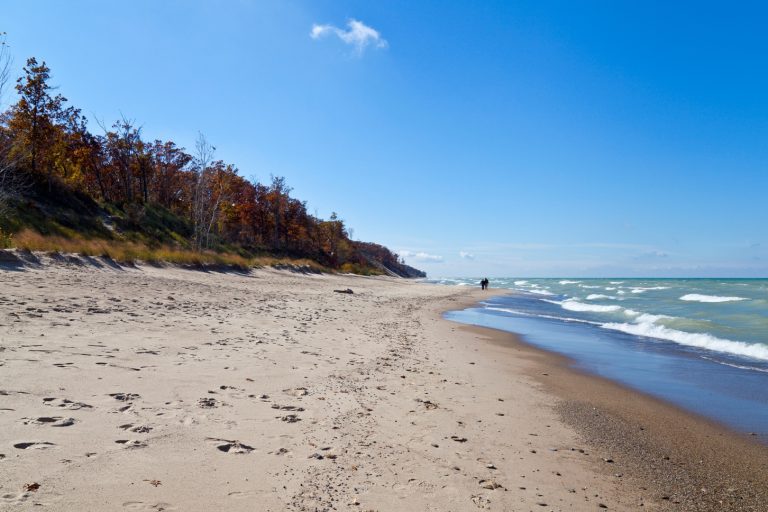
<point x="47" y="142"/>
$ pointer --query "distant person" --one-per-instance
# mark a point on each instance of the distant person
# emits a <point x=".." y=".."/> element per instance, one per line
<point x="486" y="283"/>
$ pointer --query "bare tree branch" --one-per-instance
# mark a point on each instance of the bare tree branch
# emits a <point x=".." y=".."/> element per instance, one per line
<point x="5" y="66"/>
<point x="12" y="183"/>
<point x="203" y="159"/>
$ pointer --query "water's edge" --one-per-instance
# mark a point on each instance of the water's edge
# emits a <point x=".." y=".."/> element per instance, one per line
<point x="726" y="395"/>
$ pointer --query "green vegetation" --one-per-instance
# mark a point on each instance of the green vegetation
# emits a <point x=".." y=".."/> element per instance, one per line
<point x="6" y="240"/>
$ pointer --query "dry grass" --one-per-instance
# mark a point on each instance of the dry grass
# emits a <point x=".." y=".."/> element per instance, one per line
<point x="130" y="252"/>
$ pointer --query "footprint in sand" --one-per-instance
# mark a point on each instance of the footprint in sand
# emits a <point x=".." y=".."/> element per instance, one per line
<point x="131" y="443"/>
<point x="139" y="429"/>
<point x="51" y="421"/>
<point x="63" y="403"/>
<point x="297" y="391"/>
<point x="34" y="445"/>
<point x="242" y="495"/>
<point x="140" y="505"/>
<point x="295" y="408"/>
<point x="427" y="404"/>
<point x="490" y="484"/>
<point x="481" y="501"/>
<point x="233" y="447"/>
<point x="125" y="397"/>
<point x="208" y="403"/>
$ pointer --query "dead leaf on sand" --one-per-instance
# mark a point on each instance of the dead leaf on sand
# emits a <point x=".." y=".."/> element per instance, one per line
<point x="31" y="487"/>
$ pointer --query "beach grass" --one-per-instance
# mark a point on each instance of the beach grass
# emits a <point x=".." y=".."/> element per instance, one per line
<point x="132" y="252"/>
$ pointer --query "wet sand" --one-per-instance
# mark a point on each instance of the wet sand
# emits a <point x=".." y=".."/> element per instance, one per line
<point x="169" y="389"/>
<point x="677" y="459"/>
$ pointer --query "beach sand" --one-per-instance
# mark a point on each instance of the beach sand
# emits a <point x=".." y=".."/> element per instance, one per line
<point x="153" y="388"/>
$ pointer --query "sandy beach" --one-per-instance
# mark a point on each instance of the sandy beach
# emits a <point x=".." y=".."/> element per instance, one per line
<point x="151" y="388"/>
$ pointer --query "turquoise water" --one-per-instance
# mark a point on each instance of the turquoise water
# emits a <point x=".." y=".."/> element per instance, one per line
<point x="699" y="343"/>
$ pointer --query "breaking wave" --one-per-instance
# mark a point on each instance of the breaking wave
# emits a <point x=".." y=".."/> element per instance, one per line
<point x="695" y="297"/>
<point x="574" y="305"/>
<point x="646" y="326"/>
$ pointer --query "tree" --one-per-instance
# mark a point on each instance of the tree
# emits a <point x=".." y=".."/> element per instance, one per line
<point x="35" y="120"/>
<point x="5" y="65"/>
<point x="205" y="202"/>
<point x="167" y="185"/>
<point x="123" y="147"/>
<point x="12" y="183"/>
<point x="276" y="198"/>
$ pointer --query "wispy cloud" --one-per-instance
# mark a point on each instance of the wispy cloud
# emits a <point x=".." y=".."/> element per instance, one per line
<point x="421" y="256"/>
<point x="653" y="255"/>
<point x="466" y="255"/>
<point x="358" y="35"/>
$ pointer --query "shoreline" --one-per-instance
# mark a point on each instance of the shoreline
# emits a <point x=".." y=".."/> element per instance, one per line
<point x="690" y="460"/>
<point x="151" y="388"/>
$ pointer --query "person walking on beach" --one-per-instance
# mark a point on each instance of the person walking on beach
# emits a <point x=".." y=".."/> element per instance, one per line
<point x="484" y="284"/>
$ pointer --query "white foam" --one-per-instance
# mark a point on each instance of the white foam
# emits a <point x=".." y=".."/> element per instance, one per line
<point x="648" y="328"/>
<point x="640" y="289"/>
<point x="520" y="283"/>
<point x="650" y="319"/>
<point x="616" y="282"/>
<point x="564" y="319"/>
<point x="598" y="296"/>
<point x="565" y="281"/>
<point x="574" y="305"/>
<point x="588" y="286"/>
<point x="695" y="297"/>
<point x="739" y="366"/>
<point x="535" y="291"/>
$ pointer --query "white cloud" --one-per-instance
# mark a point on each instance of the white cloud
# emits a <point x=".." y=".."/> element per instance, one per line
<point x="421" y="256"/>
<point x="652" y="254"/>
<point x="358" y="34"/>
<point x="466" y="255"/>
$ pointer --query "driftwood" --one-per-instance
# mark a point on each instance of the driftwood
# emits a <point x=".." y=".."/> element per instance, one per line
<point x="348" y="290"/>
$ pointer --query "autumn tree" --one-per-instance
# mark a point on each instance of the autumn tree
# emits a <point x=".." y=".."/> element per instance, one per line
<point x="276" y="198"/>
<point x="36" y="120"/>
<point x="70" y="159"/>
<point x="334" y="240"/>
<point x="123" y="148"/>
<point x="169" y="176"/>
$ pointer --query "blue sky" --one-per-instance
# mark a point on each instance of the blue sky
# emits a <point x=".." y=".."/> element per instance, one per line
<point x="476" y="138"/>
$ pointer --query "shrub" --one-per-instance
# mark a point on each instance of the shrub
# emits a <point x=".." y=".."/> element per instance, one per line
<point x="6" y="240"/>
